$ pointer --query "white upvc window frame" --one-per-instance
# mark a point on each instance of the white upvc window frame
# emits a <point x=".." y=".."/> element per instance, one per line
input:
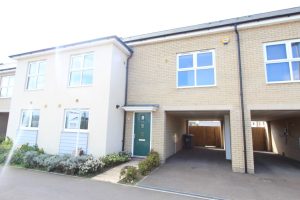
<point x="81" y="69"/>
<point x="28" y="76"/>
<point x="80" y="111"/>
<point x="289" y="59"/>
<point x="30" y="119"/>
<point x="195" y="68"/>
<point x="8" y="87"/>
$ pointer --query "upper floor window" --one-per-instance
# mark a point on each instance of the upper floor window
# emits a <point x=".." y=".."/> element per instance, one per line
<point x="7" y="84"/>
<point x="30" y="119"/>
<point x="76" y="120"/>
<point x="282" y="61"/>
<point x="81" y="70"/>
<point x="196" y="69"/>
<point x="36" y="75"/>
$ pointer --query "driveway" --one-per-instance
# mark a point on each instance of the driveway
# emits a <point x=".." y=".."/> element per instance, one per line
<point x="207" y="173"/>
<point x="21" y="184"/>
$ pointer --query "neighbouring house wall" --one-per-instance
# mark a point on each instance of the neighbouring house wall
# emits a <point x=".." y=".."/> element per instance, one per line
<point x="291" y="147"/>
<point x="5" y="102"/>
<point x="258" y="94"/>
<point x="3" y="123"/>
<point x="58" y="96"/>
<point x="152" y="80"/>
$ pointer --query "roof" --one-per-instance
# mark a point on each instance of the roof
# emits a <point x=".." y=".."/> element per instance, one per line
<point x="74" y="44"/>
<point x="216" y="24"/>
<point x="7" y="67"/>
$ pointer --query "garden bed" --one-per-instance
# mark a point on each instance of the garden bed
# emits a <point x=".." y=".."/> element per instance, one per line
<point x="35" y="158"/>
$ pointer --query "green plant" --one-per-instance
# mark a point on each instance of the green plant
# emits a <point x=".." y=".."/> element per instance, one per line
<point x="151" y="162"/>
<point x="90" y="166"/>
<point x="2" y="138"/>
<point x="19" y="155"/>
<point x="6" y="144"/>
<point x="114" y="159"/>
<point x="129" y="174"/>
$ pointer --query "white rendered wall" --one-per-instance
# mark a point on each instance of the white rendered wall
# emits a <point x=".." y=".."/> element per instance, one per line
<point x="58" y="96"/>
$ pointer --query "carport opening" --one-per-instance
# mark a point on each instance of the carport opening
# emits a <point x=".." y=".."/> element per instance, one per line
<point x="206" y="134"/>
<point x="276" y="138"/>
<point x="200" y="136"/>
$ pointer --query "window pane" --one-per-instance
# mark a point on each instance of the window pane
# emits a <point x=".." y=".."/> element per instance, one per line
<point x="4" y="81"/>
<point x="35" y="119"/>
<point x="275" y="52"/>
<point x="186" y="78"/>
<point x="88" y="61"/>
<point x="11" y="81"/>
<point x="76" y="62"/>
<point x="4" y="92"/>
<point x="84" y="120"/>
<point x="40" y="82"/>
<point x="9" y="92"/>
<point x="185" y="61"/>
<point x="278" y="72"/>
<point x="25" y="119"/>
<point x="42" y="68"/>
<point x="296" y="70"/>
<point x="87" y="77"/>
<point x="72" y="120"/>
<point x="205" y="77"/>
<point x="296" y="49"/>
<point x="204" y="59"/>
<point x="75" y="78"/>
<point x="33" y="68"/>
<point x="31" y="85"/>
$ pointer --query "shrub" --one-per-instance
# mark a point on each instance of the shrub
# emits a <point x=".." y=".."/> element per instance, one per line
<point x="114" y="159"/>
<point x="72" y="164"/>
<point x="90" y="166"/>
<point x="6" y="144"/>
<point x="151" y="162"/>
<point x="129" y="174"/>
<point x="19" y="154"/>
<point x="54" y="163"/>
<point x="2" y="138"/>
<point x="29" y="159"/>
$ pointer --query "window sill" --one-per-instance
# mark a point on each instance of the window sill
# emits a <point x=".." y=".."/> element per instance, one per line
<point x="204" y="86"/>
<point x="80" y="86"/>
<point x="283" y="82"/>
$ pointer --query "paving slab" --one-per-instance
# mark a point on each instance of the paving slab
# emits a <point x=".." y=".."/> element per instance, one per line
<point x="113" y="175"/>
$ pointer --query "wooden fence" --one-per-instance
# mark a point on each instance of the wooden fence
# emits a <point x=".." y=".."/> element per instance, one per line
<point x="206" y="135"/>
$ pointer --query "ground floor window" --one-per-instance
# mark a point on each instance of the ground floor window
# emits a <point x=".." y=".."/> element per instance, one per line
<point x="76" y="119"/>
<point x="74" y="138"/>
<point x="30" y="119"/>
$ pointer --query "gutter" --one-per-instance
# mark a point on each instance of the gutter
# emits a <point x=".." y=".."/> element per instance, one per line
<point x="241" y="94"/>
<point x="125" y="102"/>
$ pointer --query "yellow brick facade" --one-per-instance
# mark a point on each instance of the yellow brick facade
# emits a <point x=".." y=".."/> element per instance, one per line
<point x="152" y="80"/>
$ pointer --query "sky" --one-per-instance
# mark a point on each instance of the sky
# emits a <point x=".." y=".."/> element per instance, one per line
<point x="36" y="24"/>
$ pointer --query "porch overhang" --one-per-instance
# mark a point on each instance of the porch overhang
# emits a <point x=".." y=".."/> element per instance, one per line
<point x="141" y="108"/>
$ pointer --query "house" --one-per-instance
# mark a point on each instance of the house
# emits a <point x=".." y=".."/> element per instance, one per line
<point x="232" y="71"/>
<point x="7" y="74"/>
<point x="68" y="99"/>
<point x="144" y="92"/>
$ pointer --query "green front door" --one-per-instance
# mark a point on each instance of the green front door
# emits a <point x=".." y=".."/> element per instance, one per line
<point x="142" y="123"/>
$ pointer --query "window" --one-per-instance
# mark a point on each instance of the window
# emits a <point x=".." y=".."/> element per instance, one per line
<point x="36" y="75"/>
<point x="7" y="84"/>
<point x="30" y="119"/>
<point x="81" y="70"/>
<point x="196" y="69"/>
<point x="282" y="61"/>
<point x="76" y="120"/>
